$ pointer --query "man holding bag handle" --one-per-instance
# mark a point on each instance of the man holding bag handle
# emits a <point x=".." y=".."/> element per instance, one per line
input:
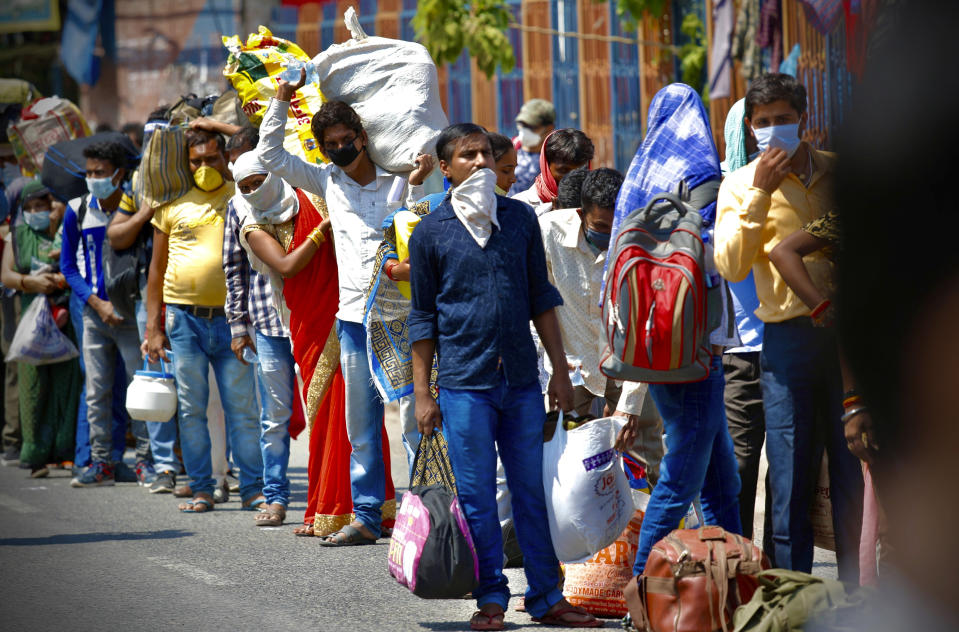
<point x="478" y="276"/>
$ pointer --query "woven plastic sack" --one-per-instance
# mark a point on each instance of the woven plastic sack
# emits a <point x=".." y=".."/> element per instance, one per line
<point x="597" y="584"/>
<point x="394" y="88"/>
<point x="38" y="340"/>
<point x="164" y="173"/>
<point x="45" y="123"/>
<point x="254" y="68"/>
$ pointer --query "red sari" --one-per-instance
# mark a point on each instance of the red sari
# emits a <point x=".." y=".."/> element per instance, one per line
<point x="312" y="297"/>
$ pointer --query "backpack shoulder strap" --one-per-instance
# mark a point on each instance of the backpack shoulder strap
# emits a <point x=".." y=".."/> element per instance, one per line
<point x="702" y="195"/>
<point x="81" y="212"/>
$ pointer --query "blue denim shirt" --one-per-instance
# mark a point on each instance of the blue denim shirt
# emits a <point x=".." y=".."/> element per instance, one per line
<point x="477" y="302"/>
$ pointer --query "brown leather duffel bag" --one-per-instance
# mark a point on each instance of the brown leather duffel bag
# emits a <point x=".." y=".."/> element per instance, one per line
<point x="693" y="581"/>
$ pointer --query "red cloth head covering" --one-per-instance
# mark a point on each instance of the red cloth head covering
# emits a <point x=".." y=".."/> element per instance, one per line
<point x="546" y="186"/>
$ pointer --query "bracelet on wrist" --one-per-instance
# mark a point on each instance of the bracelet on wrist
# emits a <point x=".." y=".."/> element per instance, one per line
<point x="852" y="413"/>
<point x="316" y="236"/>
<point x="822" y="307"/>
<point x="850" y="401"/>
<point x="388" y="269"/>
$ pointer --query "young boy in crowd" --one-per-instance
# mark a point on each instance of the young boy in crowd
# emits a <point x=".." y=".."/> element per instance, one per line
<point x="563" y="151"/>
<point x="105" y="334"/>
<point x="576" y="241"/>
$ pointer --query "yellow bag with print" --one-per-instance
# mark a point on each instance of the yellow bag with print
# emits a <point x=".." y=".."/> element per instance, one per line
<point x="254" y="68"/>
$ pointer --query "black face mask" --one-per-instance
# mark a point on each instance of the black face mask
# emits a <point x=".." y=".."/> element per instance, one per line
<point x="344" y="155"/>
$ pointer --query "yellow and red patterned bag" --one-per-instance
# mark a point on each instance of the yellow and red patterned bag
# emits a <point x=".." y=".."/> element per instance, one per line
<point x="254" y="67"/>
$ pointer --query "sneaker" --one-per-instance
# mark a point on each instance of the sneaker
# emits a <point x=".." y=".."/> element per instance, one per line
<point x="164" y="484"/>
<point x="123" y="473"/>
<point x="221" y="494"/>
<point x="233" y="484"/>
<point x="145" y="473"/>
<point x="96" y="474"/>
<point x="11" y="456"/>
<point x="39" y="471"/>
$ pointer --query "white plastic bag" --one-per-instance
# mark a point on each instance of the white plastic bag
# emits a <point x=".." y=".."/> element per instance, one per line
<point x="394" y="88"/>
<point x="38" y="340"/>
<point x="588" y="499"/>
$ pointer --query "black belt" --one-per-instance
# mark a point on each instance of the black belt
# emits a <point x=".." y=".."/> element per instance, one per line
<point x="199" y="311"/>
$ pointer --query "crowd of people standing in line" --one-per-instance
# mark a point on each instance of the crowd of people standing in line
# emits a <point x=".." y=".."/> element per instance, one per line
<point x="271" y="263"/>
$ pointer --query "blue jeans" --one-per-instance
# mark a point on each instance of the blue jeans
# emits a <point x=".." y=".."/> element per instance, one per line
<point x="277" y="384"/>
<point x="120" y="417"/>
<point x="475" y="423"/>
<point x="802" y="397"/>
<point x="162" y="433"/>
<point x="197" y="343"/>
<point x="364" y="427"/>
<point x="699" y="460"/>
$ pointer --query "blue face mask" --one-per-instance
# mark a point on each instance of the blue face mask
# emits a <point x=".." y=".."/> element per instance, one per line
<point x="102" y="188"/>
<point x="598" y="239"/>
<point x="37" y="220"/>
<point x="786" y="137"/>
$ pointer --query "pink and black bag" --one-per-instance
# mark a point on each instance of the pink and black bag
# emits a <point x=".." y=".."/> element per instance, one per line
<point x="432" y="551"/>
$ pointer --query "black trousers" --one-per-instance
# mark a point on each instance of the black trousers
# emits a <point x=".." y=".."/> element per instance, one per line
<point x="747" y="427"/>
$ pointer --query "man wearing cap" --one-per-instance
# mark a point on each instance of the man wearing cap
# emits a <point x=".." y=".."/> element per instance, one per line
<point x="536" y="119"/>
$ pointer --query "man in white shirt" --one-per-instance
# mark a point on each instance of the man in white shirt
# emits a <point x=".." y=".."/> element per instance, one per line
<point x="357" y="195"/>
<point x="576" y="241"/>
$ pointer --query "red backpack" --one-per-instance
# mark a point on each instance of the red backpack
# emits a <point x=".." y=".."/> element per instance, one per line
<point x="657" y="309"/>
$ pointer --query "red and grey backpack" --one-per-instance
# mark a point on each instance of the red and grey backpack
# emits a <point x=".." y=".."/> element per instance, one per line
<point x="657" y="309"/>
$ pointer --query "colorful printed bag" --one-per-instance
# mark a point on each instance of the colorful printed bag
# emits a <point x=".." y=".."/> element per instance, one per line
<point x="45" y="123"/>
<point x="431" y="551"/>
<point x="254" y="68"/>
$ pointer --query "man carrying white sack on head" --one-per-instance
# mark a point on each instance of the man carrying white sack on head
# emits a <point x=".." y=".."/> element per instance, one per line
<point x="356" y="191"/>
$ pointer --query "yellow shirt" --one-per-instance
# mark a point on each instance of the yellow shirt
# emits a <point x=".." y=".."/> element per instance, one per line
<point x="194" y="223"/>
<point x="751" y="222"/>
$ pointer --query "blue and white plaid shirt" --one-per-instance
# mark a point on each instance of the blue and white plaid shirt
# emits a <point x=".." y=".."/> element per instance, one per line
<point x="249" y="296"/>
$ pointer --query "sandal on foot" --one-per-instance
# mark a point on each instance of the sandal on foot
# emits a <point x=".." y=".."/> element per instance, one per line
<point x="558" y="618"/>
<point x="483" y="621"/>
<point x="303" y="531"/>
<point x="351" y="537"/>
<point x="270" y="517"/>
<point x="193" y="506"/>
<point x="253" y="504"/>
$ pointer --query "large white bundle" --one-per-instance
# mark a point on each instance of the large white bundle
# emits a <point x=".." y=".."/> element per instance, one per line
<point x="393" y="86"/>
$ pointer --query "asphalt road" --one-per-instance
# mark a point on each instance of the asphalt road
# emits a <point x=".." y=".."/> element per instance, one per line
<point x="119" y="558"/>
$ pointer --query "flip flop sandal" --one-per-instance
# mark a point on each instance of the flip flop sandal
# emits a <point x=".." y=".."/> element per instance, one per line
<point x="270" y="518"/>
<point x="253" y="505"/>
<point x="556" y="619"/>
<point x="306" y="532"/>
<point x="353" y="538"/>
<point x="191" y="506"/>
<point x="490" y="623"/>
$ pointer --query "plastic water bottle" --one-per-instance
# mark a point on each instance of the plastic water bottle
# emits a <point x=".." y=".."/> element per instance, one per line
<point x="576" y="373"/>
<point x="293" y="66"/>
<point x="249" y="355"/>
<point x="292" y="72"/>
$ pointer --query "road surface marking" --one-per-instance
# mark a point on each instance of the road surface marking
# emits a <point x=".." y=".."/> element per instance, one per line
<point x="191" y="571"/>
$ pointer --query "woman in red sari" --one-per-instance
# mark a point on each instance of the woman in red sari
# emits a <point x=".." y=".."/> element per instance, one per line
<point x="285" y="232"/>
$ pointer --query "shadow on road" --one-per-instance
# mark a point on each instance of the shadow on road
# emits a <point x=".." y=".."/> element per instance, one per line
<point x="84" y="538"/>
